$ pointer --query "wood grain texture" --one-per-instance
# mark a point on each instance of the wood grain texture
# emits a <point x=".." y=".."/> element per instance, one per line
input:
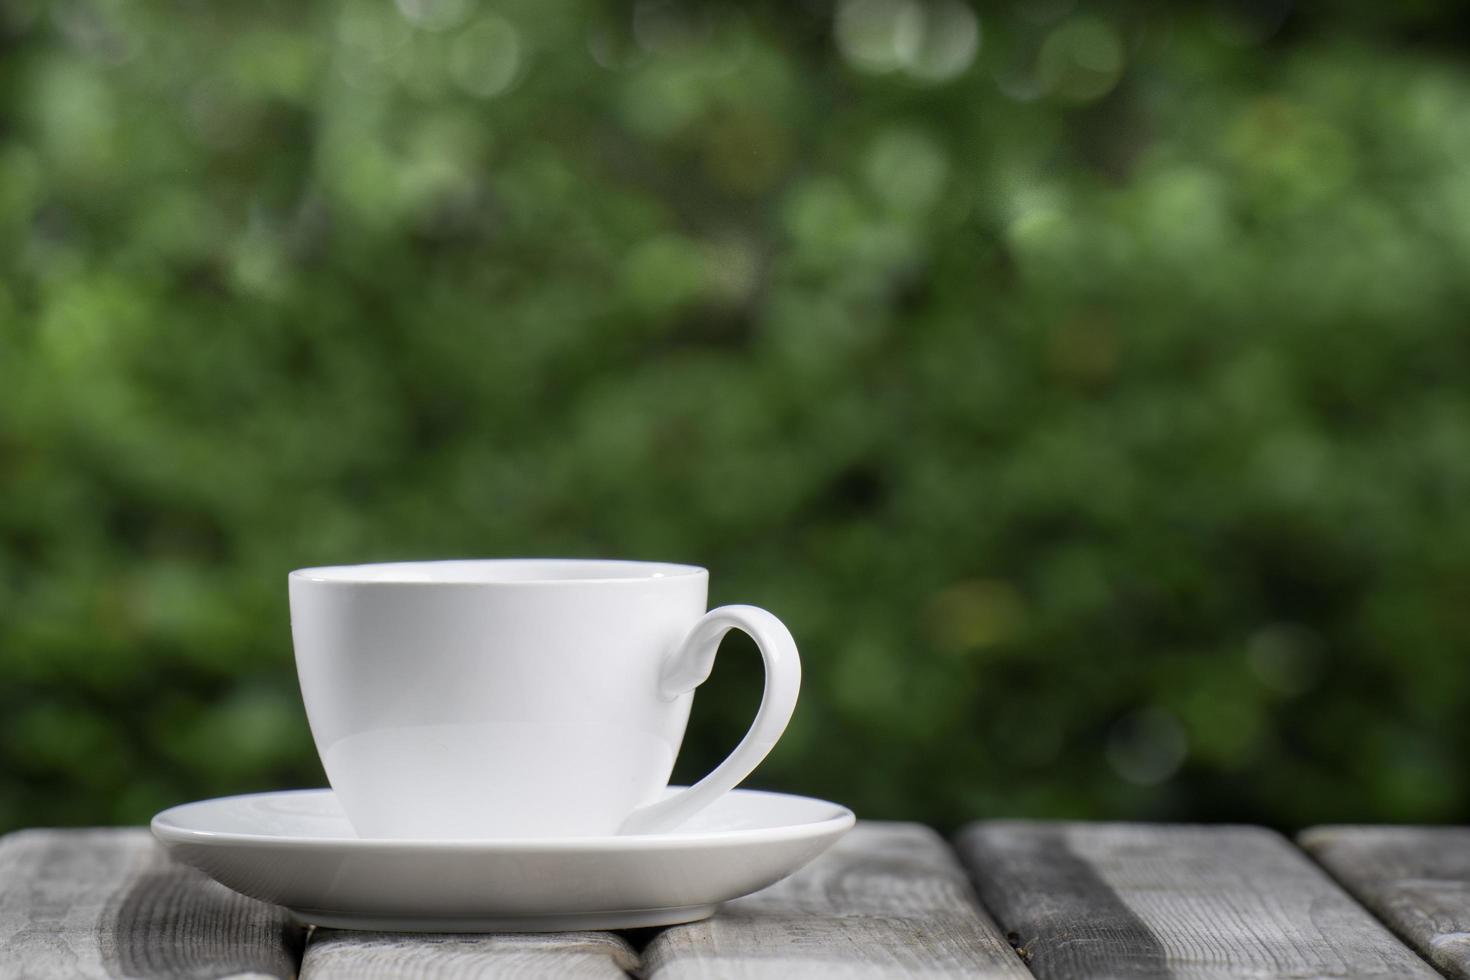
<point x="1196" y="903"/>
<point x="889" y="900"/>
<point x="340" y="955"/>
<point x="110" y="903"/>
<point x="1416" y="879"/>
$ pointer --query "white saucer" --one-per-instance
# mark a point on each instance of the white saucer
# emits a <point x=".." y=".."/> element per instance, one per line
<point x="297" y="849"/>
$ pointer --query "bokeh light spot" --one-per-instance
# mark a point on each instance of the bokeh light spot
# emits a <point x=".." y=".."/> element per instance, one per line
<point x="1287" y="658"/>
<point x="1147" y="747"/>
<point x="612" y="48"/>
<point x="97" y="31"/>
<point x="823" y="215"/>
<point x="879" y="36"/>
<point x="907" y="169"/>
<point x="79" y="119"/>
<point x="486" y="59"/>
<point x="1038" y="223"/>
<point x="659" y="101"/>
<point x="951" y="39"/>
<point x="932" y="42"/>
<point x="1082" y="60"/>
<point x="435" y="15"/>
<point x="368" y="37"/>
<point x="732" y="270"/>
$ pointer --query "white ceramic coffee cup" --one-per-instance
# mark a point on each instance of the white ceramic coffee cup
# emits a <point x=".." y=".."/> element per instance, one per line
<point x="520" y="698"/>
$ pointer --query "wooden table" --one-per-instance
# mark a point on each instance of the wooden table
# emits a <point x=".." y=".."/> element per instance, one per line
<point x="1049" y="900"/>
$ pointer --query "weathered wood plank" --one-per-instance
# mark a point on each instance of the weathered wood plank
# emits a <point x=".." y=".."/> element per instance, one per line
<point x="889" y="900"/>
<point x="1181" y="902"/>
<point x="109" y="903"/>
<point x="1416" y="879"/>
<point x="339" y="955"/>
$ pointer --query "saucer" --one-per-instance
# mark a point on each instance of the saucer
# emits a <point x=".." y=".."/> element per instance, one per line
<point x="297" y="849"/>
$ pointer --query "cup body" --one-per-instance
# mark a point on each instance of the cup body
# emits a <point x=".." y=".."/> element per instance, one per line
<point x="475" y="699"/>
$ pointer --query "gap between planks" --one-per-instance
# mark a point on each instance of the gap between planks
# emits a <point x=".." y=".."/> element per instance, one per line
<point x="889" y="900"/>
<point x="84" y="904"/>
<point x="1416" y="879"/>
<point x="1150" y="902"/>
<point x="1094" y="900"/>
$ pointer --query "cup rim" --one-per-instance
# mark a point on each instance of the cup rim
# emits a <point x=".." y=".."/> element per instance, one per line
<point x="514" y="572"/>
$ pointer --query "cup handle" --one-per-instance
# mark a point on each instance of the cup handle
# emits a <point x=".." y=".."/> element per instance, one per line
<point x="689" y="667"/>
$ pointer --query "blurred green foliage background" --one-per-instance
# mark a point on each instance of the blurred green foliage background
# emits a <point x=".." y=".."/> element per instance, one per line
<point x="1086" y="385"/>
